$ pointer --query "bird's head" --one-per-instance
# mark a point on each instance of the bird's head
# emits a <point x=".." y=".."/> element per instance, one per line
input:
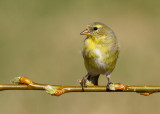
<point x="95" y="29"/>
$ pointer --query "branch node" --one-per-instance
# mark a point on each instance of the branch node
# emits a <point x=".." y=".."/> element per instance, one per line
<point x="16" y="80"/>
<point x="88" y="83"/>
<point x="117" y="87"/>
<point x="54" y="91"/>
<point x="145" y="94"/>
<point x="22" y="80"/>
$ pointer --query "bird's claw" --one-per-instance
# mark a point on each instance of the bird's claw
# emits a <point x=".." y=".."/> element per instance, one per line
<point x="83" y="83"/>
<point x="108" y="84"/>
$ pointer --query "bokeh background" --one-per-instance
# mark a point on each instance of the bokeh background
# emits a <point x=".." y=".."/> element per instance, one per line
<point x="40" y="40"/>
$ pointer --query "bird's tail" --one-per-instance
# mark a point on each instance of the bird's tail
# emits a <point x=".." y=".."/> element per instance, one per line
<point x="93" y="79"/>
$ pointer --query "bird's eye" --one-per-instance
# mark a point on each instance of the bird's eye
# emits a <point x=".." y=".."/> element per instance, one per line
<point x="95" y="28"/>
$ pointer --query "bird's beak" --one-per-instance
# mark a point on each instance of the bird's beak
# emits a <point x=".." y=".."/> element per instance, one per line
<point x="85" y="32"/>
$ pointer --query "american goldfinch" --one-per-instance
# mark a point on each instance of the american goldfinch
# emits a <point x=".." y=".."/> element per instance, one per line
<point x="100" y="52"/>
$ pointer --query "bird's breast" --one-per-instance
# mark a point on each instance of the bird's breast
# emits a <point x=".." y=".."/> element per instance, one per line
<point x="98" y="58"/>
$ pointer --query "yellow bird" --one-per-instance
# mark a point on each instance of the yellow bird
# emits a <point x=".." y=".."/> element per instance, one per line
<point x="100" y="52"/>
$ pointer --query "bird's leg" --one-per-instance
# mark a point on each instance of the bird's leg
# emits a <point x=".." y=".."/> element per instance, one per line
<point x="83" y="81"/>
<point x="109" y="82"/>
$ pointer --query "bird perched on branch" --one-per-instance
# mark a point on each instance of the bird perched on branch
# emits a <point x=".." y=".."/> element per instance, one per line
<point x="100" y="52"/>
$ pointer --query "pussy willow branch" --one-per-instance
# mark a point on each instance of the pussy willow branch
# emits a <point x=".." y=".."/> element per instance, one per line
<point x="22" y="83"/>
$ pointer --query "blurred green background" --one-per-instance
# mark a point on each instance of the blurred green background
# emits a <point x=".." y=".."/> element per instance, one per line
<point x="41" y="40"/>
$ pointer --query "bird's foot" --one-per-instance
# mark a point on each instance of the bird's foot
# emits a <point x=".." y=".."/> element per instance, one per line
<point x="108" y="84"/>
<point x="83" y="83"/>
